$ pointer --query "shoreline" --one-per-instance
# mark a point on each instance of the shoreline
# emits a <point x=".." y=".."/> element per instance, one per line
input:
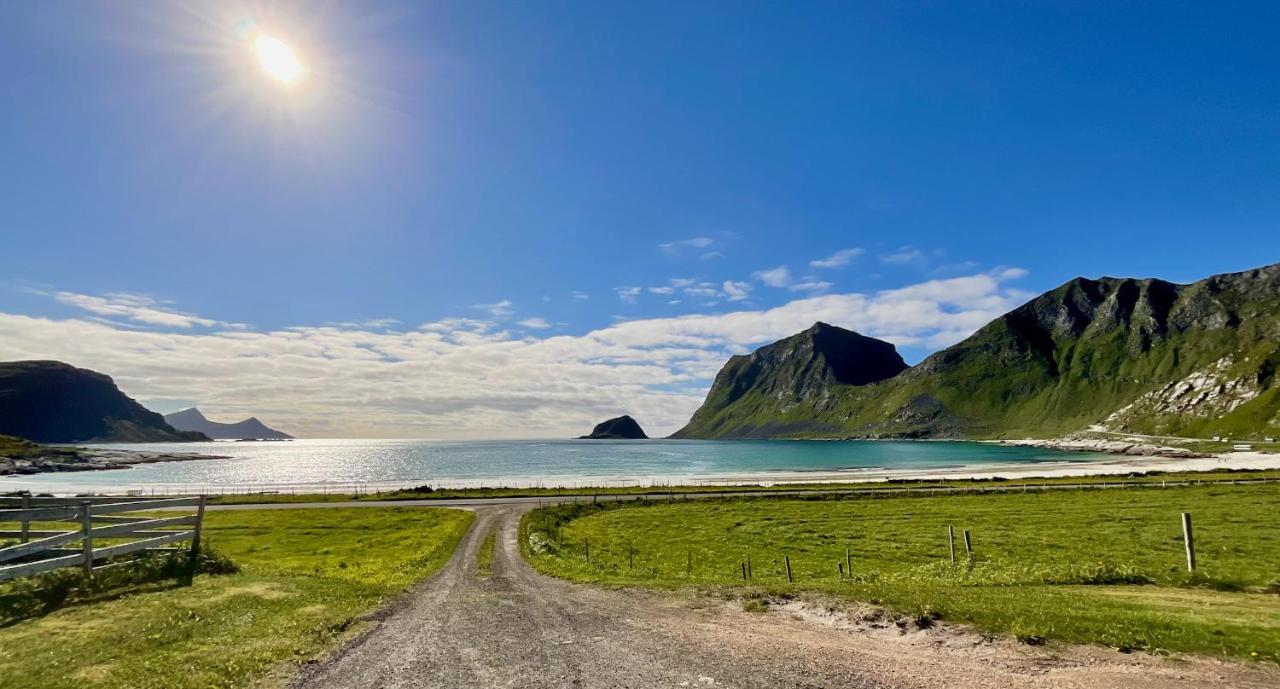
<point x="1120" y="464"/>
<point x="57" y="459"/>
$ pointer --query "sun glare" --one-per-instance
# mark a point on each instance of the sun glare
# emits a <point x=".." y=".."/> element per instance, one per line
<point x="277" y="59"/>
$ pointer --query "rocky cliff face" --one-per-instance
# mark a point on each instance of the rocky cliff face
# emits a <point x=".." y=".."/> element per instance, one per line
<point x="53" y="402"/>
<point x="806" y="372"/>
<point x="248" y="429"/>
<point x="1139" y="355"/>
<point x="620" y="428"/>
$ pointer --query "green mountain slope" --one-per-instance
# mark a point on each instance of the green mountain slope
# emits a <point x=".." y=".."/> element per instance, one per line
<point x="1146" y="356"/>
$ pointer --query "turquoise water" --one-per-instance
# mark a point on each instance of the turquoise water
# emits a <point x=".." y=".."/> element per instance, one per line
<point x="268" y="465"/>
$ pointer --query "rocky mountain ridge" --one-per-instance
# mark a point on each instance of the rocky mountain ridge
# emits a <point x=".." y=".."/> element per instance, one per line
<point x="249" y="429"/>
<point x="1138" y="355"/>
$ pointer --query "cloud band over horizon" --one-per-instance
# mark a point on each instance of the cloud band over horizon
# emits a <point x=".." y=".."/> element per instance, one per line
<point x="465" y="377"/>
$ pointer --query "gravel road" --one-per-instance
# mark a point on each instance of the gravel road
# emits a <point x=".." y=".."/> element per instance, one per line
<point x="517" y="628"/>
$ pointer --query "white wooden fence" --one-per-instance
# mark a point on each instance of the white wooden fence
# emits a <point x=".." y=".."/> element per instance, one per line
<point x="89" y="522"/>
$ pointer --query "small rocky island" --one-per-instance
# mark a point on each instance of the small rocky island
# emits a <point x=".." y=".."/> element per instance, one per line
<point x="622" y="428"/>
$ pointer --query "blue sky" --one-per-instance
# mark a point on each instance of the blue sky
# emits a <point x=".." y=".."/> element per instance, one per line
<point x="537" y="183"/>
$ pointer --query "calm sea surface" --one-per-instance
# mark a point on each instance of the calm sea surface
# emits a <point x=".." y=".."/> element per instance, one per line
<point x="268" y="465"/>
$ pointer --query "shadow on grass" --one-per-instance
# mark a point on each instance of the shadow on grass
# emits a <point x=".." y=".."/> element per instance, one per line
<point x="37" y="596"/>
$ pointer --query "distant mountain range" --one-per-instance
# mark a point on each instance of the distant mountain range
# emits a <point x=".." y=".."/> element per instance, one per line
<point x="53" y="402"/>
<point x="1135" y="355"/>
<point x="249" y="429"/>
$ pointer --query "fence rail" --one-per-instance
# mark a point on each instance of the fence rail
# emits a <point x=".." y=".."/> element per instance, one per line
<point x="117" y="521"/>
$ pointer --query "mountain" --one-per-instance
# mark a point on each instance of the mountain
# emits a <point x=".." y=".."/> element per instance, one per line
<point x="621" y="428"/>
<point x="788" y="387"/>
<point x="1136" y="355"/>
<point x="249" y="429"/>
<point x="53" y="402"/>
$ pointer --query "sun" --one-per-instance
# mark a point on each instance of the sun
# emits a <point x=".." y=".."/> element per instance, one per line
<point x="277" y="59"/>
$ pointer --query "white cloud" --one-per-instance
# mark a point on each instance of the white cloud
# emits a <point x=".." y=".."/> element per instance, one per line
<point x="466" y="378"/>
<point x="138" y="308"/>
<point x="810" y="285"/>
<point x="839" y="259"/>
<point x="780" y="277"/>
<point x="628" y="294"/>
<point x="736" y="291"/>
<point x="903" y="256"/>
<point x="775" y="277"/>
<point x="690" y="243"/>
<point x="579" y="296"/>
<point x="501" y="309"/>
<point x="535" y="323"/>
<point x="662" y="290"/>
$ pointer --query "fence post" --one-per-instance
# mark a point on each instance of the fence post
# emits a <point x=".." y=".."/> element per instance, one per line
<point x="840" y="568"/>
<point x="86" y="528"/>
<point x="968" y="545"/>
<point x="848" y="560"/>
<point x="631" y="557"/>
<point x="750" y="574"/>
<point x="743" y="567"/>
<point x="1190" y="542"/>
<point x="787" y="560"/>
<point x="951" y="542"/>
<point x="26" y="519"/>
<point x="586" y="549"/>
<point x="195" y="536"/>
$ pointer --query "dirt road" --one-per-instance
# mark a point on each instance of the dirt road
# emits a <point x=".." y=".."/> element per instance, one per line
<point x="517" y="628"/>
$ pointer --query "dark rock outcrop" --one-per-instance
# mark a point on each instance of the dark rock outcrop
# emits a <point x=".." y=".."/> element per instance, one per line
<point x="53" y="402"/>
<point x="621" y="428"/>
<point x="249" y="429"/>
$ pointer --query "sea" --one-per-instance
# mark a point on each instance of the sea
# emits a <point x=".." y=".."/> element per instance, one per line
<point x="332" y="465"/>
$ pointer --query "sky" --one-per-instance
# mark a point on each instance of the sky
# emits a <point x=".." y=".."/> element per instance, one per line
<point x="515" y="219"/>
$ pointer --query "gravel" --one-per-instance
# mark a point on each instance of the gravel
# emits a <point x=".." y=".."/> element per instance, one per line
<point x="517" y="628"/>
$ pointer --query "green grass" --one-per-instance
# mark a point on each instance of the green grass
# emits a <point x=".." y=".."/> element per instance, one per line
<point x="484" y="556"/>
<point x="305" y="576"/>
<point x="1092" y="566"/>
<point x="677" y="490"/>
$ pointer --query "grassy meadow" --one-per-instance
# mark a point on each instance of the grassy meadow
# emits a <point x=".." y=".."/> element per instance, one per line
<point x="1091" y="566"/>
<point x="305" y="576"/>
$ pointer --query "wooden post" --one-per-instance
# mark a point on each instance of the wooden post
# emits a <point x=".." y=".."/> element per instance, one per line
<point x="586" y="548"/>
<point x="86" y="528"/>
<point x="840" y="568"/>
<point x="631" y="557"/>
<point x="951" y="542"/>
<point x="1190" y="542"/>
<point x="787" y="560"/>
<point x="743" y="567"/>
<point x="750" y="574"/>
<point x="26" y="520"/>
<point x="195" y="536"/>
<point x="968" y="545"/>
<point x="848" y="560"/>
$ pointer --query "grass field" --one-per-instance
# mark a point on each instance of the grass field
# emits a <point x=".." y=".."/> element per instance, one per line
<point x="1095" y="566"/>
<point x="305" y="575"/>
<point x="484" y="556"/>
<point x="443" y="493"/>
